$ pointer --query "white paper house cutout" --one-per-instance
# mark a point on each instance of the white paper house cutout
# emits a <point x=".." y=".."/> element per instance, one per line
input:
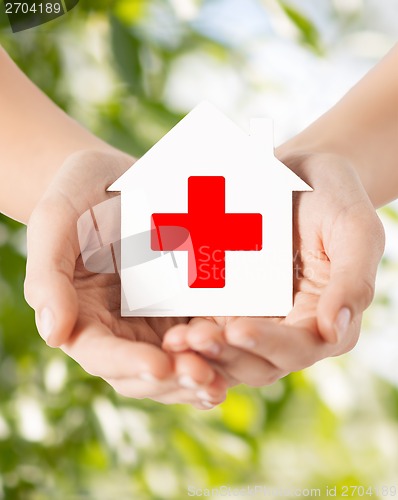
<point x="208" y="144"/>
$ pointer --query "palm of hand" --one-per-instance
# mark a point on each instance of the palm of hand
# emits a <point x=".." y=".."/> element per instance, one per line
<point x="126" y="352"/>
<point x="99" y="299"/>
<point x="118" y="349"/>
<point x="336" y="232"/>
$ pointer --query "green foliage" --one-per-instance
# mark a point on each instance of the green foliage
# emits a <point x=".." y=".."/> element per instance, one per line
<point x="66" y="435"/>
<point x="309" y="34"/>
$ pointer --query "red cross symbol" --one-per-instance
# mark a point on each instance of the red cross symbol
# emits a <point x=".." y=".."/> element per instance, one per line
<point x="209" y="232"/>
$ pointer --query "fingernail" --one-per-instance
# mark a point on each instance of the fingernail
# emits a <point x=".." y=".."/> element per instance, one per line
<point x="187" y="382"/>
<point x="46" y="323"/>
<point x="211" y="348"/>
<point x="148" y="377"/>
<point x="206" y="404"/>
<point x="174" y="347"/>
<point x="342" y="322"/>
<point x="204" y="396"/>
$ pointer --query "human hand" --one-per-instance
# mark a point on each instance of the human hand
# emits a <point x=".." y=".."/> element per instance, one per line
<point x="338" y="243"/>
<point x="80" y="311"/>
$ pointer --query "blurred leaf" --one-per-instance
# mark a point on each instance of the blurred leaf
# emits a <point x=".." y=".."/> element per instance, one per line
<point x="130" y="11"/>
<point x="126" y="48"/>
<point x="308" y="32"/>
<point x="241" y="413"/>
<point x="390" y="212"/>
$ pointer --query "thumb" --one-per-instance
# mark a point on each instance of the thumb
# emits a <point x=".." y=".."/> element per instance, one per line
<point x="50" y="268"/>
<point x="355" y="248"/>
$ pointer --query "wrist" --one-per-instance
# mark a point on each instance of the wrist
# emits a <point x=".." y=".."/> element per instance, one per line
<point x="100" y="154"/>
<point x="307" y="159"/>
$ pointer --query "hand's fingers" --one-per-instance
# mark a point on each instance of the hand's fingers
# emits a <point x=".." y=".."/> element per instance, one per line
<point x="204" y="398"/>
<point x="286" y="347"/>
<point x="192" y="371"/>
<point x="204" y="334"/>
<point x="102" y="354"/>
<point x="214" y="393"/>
<point x="49" y="286"/>
<point x="175" y="339"/>
<point x="354" y="248"/>
<point x="207" y="338"/>
<point x="136" y="388"/>
<point x="169" y="392"/>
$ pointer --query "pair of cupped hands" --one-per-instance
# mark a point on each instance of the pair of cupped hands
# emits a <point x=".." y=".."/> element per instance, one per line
<point x="338" y="243"/>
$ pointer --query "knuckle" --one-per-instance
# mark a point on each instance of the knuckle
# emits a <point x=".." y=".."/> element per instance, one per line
<point x="239" y="331"/>
<point x="347" y="347"/>
<point x="29" y="291"/>
<point x="267" y="378"/>
<point x="307" y="359"/>
<point x="349" y="343"/>
<point x="40" y="214"/>
<point x="274" y="377"/>
<point x="124" y="389"/>
<point x="379" y="235"/>
<point x="123" y="392"/>
<point x="367" y="288"/>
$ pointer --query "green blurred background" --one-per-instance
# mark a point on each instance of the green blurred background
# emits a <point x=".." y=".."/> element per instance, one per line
<point x="129" y="70"/>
